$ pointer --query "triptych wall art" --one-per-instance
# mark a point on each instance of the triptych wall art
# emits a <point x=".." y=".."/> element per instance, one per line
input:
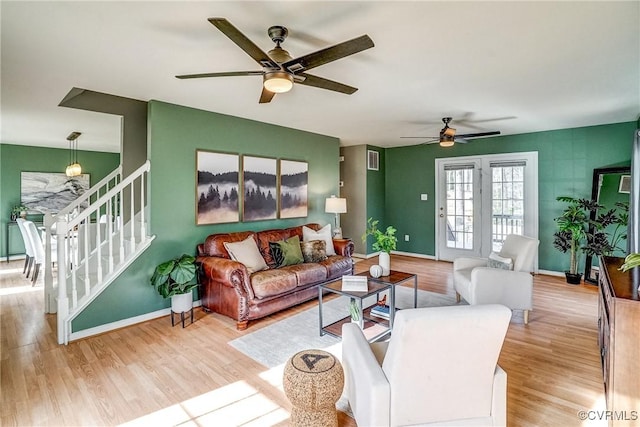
<point x="265" y="188"/>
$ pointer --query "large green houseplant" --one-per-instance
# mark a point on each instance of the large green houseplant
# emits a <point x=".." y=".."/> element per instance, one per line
<point x="176" y="279"/>
<point x="385" y="242"/>
<point x="577" y="233"/>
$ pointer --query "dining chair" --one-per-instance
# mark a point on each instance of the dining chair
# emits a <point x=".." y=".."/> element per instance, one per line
<point x="38" y="249"/>
<point x="28" y="261"/>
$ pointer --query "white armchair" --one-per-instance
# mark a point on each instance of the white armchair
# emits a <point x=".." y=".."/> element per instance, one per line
<point x="477" y="283"/>
<point x="439" y="368"/>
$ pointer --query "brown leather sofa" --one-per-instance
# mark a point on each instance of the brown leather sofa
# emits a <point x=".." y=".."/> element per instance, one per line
<point x="227" y="287"/>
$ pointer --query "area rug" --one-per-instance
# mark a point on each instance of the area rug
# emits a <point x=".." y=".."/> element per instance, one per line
<point x="274" y="344"/>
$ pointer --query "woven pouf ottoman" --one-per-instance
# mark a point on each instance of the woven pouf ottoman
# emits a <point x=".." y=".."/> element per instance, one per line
<point x="313" y="382"/>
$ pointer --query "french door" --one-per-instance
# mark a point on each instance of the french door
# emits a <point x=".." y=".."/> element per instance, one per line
<point x="482" y="199"/>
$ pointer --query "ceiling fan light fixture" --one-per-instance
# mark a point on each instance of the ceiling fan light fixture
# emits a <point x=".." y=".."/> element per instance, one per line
<point x="278" y="82"/>
<point x="446" y="141"/>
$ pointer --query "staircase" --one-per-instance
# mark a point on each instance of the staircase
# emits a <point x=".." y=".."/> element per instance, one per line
<point x="95" y="239"/>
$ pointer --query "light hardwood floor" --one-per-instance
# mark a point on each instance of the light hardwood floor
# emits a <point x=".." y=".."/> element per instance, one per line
<point x="153" y="374"/>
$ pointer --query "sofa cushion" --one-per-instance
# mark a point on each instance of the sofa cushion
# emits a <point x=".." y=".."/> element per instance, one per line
<point x="323" y="234"/>
<point x="308" y="273"/>
<point x="247" y="253"/>
<point x="314" y="250"/>
<point x="337" y="266"/>
<point x="268" y="283"/>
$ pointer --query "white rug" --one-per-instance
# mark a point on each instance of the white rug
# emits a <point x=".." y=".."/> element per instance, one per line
<point x="274" y="344"/>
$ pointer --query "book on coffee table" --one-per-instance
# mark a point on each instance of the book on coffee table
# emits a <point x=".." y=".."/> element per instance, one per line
<point x="381" y="311"/>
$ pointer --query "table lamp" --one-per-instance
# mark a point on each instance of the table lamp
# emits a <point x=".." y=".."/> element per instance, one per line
<point x="336" y="205"/>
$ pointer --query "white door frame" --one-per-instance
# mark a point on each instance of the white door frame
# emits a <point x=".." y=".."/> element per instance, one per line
<point x="530" y="191"/>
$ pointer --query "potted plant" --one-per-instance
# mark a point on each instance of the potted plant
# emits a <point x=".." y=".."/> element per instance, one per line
<point x="19" y="211"/>
<point x="175" y="279"/>
<point x="573" y="233"/>
<point x="631" y="261"/>
<point x="385" y="242"/>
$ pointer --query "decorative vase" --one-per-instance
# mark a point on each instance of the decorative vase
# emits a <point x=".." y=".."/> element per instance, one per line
<point x="181" y="303"/>
<point x="23" y="214"/>
<point x="384" y="260"/>
<point x="375" y="271"/>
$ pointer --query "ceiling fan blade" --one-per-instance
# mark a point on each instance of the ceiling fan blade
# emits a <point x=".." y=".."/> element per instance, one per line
<point x="478" y="134"/>
<point x="322" y="83"/>
<point x="244" y="43"/>
<point x="329" y="54"/>
<point x="460" y="140"/>
<point x="266" y="96"/>
<point x="224" y="74"/>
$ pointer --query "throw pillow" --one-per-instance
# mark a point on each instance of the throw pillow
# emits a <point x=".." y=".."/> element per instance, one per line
<point x="286" y="252"/>
<point x="314" y="251"/>
<point x="247" y="253"/>
<point x="323" y="234"/>
<point x="291" y="251"/>
<point x="497" y="261"/>
<point x="276" y="254"/>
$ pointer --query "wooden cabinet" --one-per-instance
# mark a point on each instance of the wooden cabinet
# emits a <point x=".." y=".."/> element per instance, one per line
<point x="619" y="340"/>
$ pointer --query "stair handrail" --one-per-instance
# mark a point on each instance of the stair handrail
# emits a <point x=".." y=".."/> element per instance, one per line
<point x="62" y="297"/>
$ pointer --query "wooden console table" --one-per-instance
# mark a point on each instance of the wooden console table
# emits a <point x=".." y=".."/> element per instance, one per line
<point x="619" y="340"/>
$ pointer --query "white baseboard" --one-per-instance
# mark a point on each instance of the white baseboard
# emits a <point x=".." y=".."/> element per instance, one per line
<point x="85" y="333"/>
<point x="551" y="273"/>
<point x="414" y="255"/>
<point x="411" y="254"/>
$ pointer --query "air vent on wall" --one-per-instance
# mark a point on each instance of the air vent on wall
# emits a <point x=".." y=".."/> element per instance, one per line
<point x="373" y="160"/>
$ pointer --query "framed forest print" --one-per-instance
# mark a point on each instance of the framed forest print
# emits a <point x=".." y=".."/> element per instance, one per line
<point x="259" y="182"/>
<point x="293" y="188"/>
<point x="217" y="184"/>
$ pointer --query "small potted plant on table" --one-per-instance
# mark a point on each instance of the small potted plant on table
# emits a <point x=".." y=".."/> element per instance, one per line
<point x="384" y="242"/>
<point x="175" y="279"/>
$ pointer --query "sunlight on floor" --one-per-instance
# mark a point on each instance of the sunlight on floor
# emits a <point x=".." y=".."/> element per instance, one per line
<point x="596" y="415"/>
<point x="20" y="290"/>
<point x="236" y="404"/>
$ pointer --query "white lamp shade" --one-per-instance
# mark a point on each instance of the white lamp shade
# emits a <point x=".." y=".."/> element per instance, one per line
<point x="335" y="205"/>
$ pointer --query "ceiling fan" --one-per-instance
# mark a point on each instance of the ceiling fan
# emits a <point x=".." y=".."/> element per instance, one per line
<point x="448" y="135"/>
<point x="279" y="70"/>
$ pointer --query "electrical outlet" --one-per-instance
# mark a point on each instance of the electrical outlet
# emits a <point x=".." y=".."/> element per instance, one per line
<point x="424" y="196"/>
<point x="406" y="237"/>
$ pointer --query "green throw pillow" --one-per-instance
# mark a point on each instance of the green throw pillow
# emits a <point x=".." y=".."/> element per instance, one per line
<point x="291" y="253"/>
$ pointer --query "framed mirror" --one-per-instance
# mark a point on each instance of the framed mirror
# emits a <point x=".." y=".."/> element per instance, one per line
<point x="610" y="185"/>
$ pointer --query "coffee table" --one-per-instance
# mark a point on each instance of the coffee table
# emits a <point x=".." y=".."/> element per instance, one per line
<point x="374" y="328"/>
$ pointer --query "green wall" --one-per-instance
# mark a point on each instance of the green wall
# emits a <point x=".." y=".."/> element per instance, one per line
<point x="566" y="159"/>
<point x="19" y="158"/>
<point x="175" y="133"/>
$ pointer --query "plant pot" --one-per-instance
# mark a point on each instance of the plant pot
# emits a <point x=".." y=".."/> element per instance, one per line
<point x="573" y="279"/>
<point x="384" y="261"/>
<point x="181" y="303"/>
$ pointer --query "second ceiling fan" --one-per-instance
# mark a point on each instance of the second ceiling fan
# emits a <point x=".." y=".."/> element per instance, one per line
<point x="448" y="135"/>
<point x="279" y="70"/>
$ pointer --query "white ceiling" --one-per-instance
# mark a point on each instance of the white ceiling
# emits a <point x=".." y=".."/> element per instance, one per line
<point x="516" y="67"/>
